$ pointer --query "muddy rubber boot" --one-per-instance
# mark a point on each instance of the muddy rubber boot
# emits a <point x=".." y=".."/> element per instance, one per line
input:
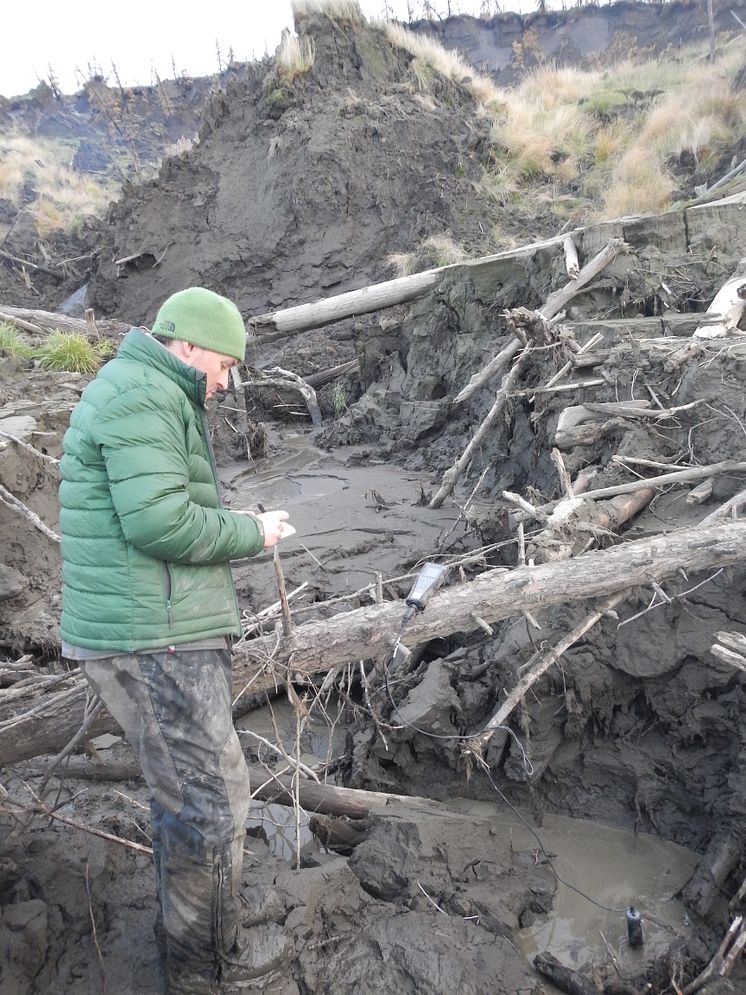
<point x="250" y="957"/>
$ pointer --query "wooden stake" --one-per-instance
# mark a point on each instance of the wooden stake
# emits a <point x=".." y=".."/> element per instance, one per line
<point x="287" y="624"/>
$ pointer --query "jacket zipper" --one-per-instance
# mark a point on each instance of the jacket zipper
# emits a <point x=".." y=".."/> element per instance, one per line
<point x="168" y="590"/>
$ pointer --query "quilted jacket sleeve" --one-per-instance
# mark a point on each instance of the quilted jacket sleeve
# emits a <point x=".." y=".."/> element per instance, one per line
<point x="141" y="434"/>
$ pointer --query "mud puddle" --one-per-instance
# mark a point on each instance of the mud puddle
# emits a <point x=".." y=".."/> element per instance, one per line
<point x="614" y="867"/>
<point x="353" y="514"/>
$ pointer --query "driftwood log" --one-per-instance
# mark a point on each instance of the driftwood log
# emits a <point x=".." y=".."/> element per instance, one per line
<point x="301" y="318"/>
<point x="266" y="663"/>
<point x="327" y="799"/>
<point x="46" y="321"/>
<point x="723" y="315"/>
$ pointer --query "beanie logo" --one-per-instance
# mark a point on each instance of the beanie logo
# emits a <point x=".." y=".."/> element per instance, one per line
<point x="165" y="326"/>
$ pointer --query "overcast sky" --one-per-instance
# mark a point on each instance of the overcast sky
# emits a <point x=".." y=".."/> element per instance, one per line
<point x="141" y="37"/>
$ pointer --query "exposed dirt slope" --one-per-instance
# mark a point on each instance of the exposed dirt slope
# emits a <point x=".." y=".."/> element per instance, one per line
<point x="300" y="189"/>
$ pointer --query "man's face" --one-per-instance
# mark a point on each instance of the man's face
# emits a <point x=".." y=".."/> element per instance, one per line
<point x="213" y="364"/>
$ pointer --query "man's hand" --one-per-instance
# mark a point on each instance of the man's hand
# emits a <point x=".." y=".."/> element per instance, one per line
<point x="273" y="523"/>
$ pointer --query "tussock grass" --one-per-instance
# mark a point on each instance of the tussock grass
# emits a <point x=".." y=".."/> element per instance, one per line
<point x="13" y="343"/>
<point x="64" y="196"/>
<point x="614" y="136"/>
<point x="347" y="11"/>
<point x="296" y="57"/>
<point x="432" y="252"/>
<point x="430" y="56"/>
<point x="72" y="352"/>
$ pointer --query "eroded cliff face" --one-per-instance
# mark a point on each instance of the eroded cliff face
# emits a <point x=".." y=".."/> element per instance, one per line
<point x="508" y="44"/>
<point x="301" y="189"/>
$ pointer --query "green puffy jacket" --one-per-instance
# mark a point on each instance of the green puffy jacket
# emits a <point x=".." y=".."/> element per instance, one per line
<point x="145" y="543"/>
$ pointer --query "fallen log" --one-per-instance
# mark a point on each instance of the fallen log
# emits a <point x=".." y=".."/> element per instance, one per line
<point x="720" y="858"/>
<point x="731" y="649"/>
<point x="302" y="317"/>
<point x="723" y="315"/>
<point x="664" y="480"/>
<point x="49" y="320"/>
<point x="266" y="663"/>
<point x="291" y="320"/>
<point x="325" y="799"/>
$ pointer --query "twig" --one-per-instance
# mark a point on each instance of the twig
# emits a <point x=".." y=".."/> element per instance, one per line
<point x="379" y="588"/>
<point x="12" y="502"/>
<point x="565" y="481"/>
<point x="452" y="475"/>
<point x="92" y="708"/>
<point x="45" y="810"/>
<point x="537" y="513"/>
<point x="93" y="928"/>
<point x="477" y="743"/>
<point x="29" y="447"/>
<point x="665" y="600"/>
<point x="593" y="341"/>
<point x="294" y="765"/>
<point x="578" y="385"/>
<point x="287" y="623"/>
<point x="369" y="704"/>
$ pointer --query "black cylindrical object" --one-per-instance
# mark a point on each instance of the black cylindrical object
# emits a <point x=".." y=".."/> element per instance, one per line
<point x="634" y="927"/>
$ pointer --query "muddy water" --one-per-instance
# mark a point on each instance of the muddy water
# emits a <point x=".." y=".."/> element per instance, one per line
<point x="353" y="515"/>
<point x="614" y="867"/>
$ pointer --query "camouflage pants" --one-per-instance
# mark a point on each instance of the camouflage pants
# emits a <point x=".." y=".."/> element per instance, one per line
<point x="175" y="709"/>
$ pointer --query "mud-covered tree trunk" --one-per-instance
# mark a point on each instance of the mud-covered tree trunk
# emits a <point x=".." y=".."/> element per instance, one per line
<point x="370" y="632"/>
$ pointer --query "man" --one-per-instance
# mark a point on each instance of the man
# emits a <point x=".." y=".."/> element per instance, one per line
<point x="149" y="609"/>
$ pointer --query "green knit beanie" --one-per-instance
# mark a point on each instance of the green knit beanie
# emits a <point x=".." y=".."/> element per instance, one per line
<point x="205" y="319"/>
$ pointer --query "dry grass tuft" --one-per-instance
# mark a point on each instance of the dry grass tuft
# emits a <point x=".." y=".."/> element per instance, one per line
<point x="639" y="184"/>
<point x="431" y="253"/>
<point x="347" y="11"/>
<point x="296" y="57"/>
<point x="64" y="196"/>
<point x="614" y="135"/>
<point x="430" y="56"/>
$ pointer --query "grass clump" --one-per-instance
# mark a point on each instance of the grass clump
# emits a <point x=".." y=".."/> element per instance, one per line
<point x="72" y="352"/>
<point x="296" y="57"/>
<point x="63" y="196"/>
<point x="13" y="343"/>
<point x="430" y="56"/>
<point x="612" y="139"/>
<point x="431" y="253"/>
<point x="347" y="11"/>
